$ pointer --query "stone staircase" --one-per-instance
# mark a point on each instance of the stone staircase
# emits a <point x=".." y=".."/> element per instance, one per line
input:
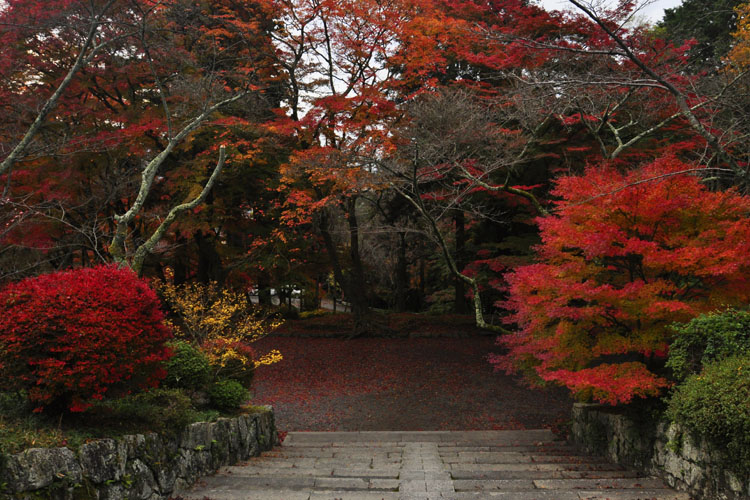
<point x="513" y="465"/>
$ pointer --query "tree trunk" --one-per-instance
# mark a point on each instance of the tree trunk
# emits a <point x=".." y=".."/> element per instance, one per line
<point x="180" y="262"/>
<point x="357" y="292"/>
<point x="316" y="298"/>
<point x="209" y="261"/>
<point x="264" y="290"/>
<point x="353" y="284"/>
<point x="422" y="284"/>
<point x="460" y="305"/>
<point x="338" y="272"/>
<point x="402" y="274"/>
<point x="417" y="202"/>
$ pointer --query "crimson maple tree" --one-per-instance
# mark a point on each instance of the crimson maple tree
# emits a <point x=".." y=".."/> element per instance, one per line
<point x="75" y="336"/>
<point x="623" y="257"/>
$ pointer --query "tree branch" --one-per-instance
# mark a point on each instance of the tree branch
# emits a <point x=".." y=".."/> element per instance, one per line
<point x="712" y="140"/>
<point x="148" y="246"/>
<point x="82" y="59"/>
<point x="117" y="247"/>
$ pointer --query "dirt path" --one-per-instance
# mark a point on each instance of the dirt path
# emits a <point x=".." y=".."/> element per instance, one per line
<point x="326" y="384"/>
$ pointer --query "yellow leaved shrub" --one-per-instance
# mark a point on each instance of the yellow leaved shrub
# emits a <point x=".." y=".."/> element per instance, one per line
<point x="223" y="324"/>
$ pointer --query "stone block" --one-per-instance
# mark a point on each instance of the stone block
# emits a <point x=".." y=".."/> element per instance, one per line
<point x="253" y="448"/>
<point x="233" y="441"/>
<point x="680" y="459"/>
<point x="134" y="444"/>
<point x="691" y="451"/>
<point x="103" y="460"/>
<point x="112" y="492"/>
<point x="139" y="481"/>
<point x="38" y="468"/>
<point x="734" y="483"/>
<point x="196" y="436"/>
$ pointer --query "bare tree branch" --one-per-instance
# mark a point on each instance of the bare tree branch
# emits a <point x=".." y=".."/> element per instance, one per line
<point x="668" y="86"/>
<point x="149" y="245"/>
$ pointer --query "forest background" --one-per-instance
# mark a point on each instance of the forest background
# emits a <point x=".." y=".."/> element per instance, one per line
<point x="538" y="170"/>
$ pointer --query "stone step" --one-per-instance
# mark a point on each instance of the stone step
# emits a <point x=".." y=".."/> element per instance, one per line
<point x="659" y="494"/>
<point x="324" y="472"/>
<point x="532" y="466"/>
<point x="536" y="474"/>
<point x="480" y="453"/>
<point x="548" y="448"/>
<point x="518" y="465"/>
<point x="463" y="463"/>
<point x="274" y="462"/>
<point x="557" y="484"/>
<point x="497" y="495"/>
<point x="375" y="439"/>
<point x="515" y="458"/>
<point x="235" y="494"/>
<point x="597" y="484"/>
<point x="514" y="473"/>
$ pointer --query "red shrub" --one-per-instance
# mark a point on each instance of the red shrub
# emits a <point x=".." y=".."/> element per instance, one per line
<point x="72" y="336"/>
<point x="624" y="256"/>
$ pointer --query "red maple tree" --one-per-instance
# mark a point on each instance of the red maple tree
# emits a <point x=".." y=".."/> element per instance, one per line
<point x="624" y="256"/>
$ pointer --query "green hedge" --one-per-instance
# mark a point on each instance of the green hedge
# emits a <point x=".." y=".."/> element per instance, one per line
<point x="228" y="395"/>
<point x="709" y="337"/>
<point x="715" y="404"/>
<point x="188" y="368"/>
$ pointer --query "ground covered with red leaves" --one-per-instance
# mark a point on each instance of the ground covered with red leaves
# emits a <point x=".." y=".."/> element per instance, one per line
<point x="374" y="384"/>
<point x="390" y="325"/>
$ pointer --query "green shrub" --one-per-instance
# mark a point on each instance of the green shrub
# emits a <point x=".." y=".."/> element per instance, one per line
<point x="13" y="404"/>
<point x="286" y="312"/>
<point x="309" y="300"/>
<point x="162" y="410"/>
<point x="236" y="370"/>
<point x="709" y="337"/>
<point x="715" y="404"/>
<point x="188" y="368"/>
<point x="228" y="395"/>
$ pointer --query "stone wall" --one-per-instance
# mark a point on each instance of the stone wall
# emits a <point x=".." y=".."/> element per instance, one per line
<point x="136" y="467"/>
<point x="659" y="448"/>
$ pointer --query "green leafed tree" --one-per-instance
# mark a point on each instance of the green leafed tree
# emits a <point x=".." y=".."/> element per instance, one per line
<point x="709" y="23"/>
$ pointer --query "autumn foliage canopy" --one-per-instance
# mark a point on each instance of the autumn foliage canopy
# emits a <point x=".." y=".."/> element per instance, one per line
<point x="624" y="256"/>
<point x="393" y="152"/>
<point x="75" y="336"/>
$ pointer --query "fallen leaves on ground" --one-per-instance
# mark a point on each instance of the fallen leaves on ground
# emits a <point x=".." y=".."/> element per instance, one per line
<point x="327" y="384"/>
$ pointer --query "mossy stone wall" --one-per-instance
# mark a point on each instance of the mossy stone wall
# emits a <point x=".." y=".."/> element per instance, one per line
<point x="659" y="448"/>
<point x="136" y="467"/>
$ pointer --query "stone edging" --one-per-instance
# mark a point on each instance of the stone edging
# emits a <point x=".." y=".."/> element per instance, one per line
<point x="661" y="448"/>
<point x="136" y="467"/>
